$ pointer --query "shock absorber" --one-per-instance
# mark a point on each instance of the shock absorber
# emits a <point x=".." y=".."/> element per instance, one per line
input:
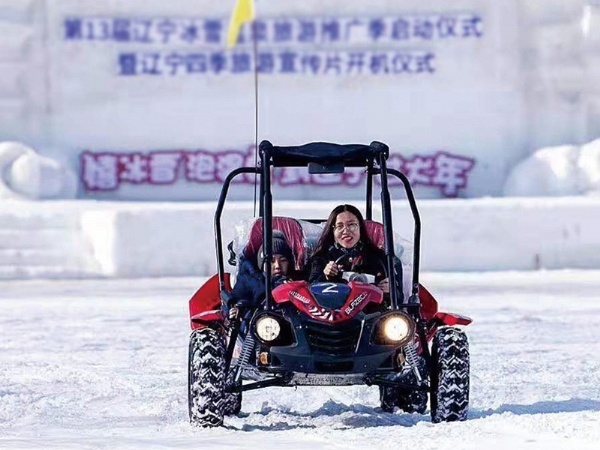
<point x="410" y="351"/>
<point x="247" y="351"/>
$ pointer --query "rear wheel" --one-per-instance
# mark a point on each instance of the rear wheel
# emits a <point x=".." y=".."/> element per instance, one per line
<point x="410" y="401"/>
<point x="387" y="398"/>
<point x="232" y="402"/>
<point x="206" y="378"/>
<point x="450" y="377"/>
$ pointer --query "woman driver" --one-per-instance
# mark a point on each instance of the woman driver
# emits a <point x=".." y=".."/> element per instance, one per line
<point x="345" y="236"/>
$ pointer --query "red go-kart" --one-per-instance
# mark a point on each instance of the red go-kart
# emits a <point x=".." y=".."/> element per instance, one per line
<point x="325" y="334"/>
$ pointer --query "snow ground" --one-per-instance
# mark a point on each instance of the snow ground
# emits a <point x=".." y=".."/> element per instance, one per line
<point x="95" y="364"/>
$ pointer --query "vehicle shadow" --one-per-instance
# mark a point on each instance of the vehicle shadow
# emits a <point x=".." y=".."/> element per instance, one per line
<point x="548" y="407"/>
<point x="350" y="416"/>
<point x="361" y="416"/>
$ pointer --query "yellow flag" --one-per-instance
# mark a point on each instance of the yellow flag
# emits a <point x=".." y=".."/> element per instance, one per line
<point x="243" y="12"/>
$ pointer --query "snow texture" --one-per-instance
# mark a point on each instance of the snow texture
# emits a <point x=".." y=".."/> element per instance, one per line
<point x="557" y="171"/>
<point x="103" y="364"/>
<point x="26" y="175"/>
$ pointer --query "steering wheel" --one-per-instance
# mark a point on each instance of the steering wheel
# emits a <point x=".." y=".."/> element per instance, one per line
<point x="342" y="259"/>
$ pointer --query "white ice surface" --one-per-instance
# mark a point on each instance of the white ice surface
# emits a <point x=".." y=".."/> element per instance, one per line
<point x="96" y="364"/>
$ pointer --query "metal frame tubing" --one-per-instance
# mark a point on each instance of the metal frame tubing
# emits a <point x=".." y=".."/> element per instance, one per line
<point x="389" y="236"/>
<point x="369" y="209"/>
<point x="267" y="219"/>
<point x="417" y="234"/>
<point x="217" y="222"/>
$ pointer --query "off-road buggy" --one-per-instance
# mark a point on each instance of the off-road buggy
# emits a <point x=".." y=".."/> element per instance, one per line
<point x="326" y="333"/>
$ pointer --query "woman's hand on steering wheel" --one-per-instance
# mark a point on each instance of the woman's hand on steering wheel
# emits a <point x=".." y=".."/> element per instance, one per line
<point x="335" y="268"/>
<point x="331" y="270"/>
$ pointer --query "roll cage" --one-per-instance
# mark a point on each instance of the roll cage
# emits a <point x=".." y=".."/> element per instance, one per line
<point x="324" y="157"/>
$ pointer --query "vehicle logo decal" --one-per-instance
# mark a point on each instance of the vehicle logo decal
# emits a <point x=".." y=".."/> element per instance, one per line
<point x="357" y="301"/>
<point x="300" y="297"/>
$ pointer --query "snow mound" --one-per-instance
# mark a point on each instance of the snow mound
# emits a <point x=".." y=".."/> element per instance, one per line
<point x="25" y="174"/>
<point x="557" y="171"/>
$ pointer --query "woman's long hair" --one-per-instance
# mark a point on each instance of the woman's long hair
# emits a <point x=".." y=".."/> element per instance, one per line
<point x="326" y="240"/>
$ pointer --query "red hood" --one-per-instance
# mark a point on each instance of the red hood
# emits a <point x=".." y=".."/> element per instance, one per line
<point x="298" y="292"/>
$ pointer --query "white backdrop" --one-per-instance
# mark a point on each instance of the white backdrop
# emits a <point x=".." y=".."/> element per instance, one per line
<point x="483" y="85"/>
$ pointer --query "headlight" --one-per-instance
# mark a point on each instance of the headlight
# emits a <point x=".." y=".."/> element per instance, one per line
<point x="397" y="328"/>
<point x="267" y="328"/>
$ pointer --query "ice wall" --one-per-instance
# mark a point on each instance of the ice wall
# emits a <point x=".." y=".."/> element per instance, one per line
<point x="529" y="81"/>
<point x="90" y="239"/>
<point x="24" y="90"/>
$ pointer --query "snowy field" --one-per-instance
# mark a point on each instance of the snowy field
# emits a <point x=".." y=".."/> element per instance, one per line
<point x="102" y="365"/>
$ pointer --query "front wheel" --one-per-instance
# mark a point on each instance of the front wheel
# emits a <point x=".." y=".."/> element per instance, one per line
<point x="450" y="377"/>
<point x="206" y="378"/>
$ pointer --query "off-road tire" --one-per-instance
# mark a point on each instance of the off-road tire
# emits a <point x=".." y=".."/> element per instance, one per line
<point x="450" y="378"/>
<point x="387" y="398"/>
<point x="232" y="402"/>
<point x="206" y="378"/>
<point x="409" y="401"/>
<point x="412" y="401"/>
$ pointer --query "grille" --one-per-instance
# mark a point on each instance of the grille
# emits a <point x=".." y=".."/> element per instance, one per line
<point x="333" y="339"/>
<point x="336" y="367"/>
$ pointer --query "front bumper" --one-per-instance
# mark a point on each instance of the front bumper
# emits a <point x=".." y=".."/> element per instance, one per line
<point x="340" y="350"/>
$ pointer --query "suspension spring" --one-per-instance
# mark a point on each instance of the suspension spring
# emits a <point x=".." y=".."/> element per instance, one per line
<point x="247" y="351"/>
<point x="410" y="351"/>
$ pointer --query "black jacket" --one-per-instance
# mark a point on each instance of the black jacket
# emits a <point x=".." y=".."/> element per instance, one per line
<point x="361" y="259"/>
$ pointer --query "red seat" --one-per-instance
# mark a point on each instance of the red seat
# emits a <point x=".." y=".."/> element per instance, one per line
<point x="293" y="235"/>
<point x="375" y="233"/>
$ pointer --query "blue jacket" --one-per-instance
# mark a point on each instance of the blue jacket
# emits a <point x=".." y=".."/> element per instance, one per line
<point x="249" y="289"/>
